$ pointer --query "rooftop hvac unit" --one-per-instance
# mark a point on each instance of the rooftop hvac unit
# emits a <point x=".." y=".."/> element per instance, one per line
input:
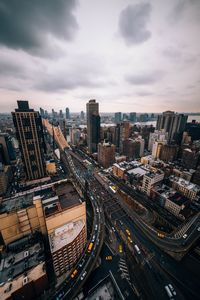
<point x="25" y="280"/>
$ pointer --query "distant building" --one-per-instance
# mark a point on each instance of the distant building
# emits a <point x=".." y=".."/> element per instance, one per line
<point x="29" y="132"/>
<point x="125" y="117"/>
<point x="150" y="179"/>
<point x="106" y="154"/>
<point x="157" y="135"/>
<point x="131" y="148"/>
<point x="93" y="125"/>
<point x="118" y="117"/>
<point x="82" y="116"/>
<point x="60" y="114"/>
<point x="67" y="113"/>
<point x="132" y="117"/>
<point x="7" y="151"/>
<point x="144" y="117"/>
<point x="172" y="123"/>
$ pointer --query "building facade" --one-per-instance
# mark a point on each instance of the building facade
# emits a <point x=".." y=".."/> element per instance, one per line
<point x="93" y="125"/>
<point x="29" y="132"/>
<point x="172" y="123"/>
<point x="106" y="154"/>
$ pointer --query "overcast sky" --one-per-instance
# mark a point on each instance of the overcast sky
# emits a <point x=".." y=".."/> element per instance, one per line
<point x="128" y="55"/>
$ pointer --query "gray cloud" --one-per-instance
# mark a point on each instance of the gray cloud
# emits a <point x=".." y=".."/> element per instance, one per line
<point x="133" y="21"/>
<point x="145" y="78"/>
<point x="30" y="24"/>
<point x="181" y="6"/>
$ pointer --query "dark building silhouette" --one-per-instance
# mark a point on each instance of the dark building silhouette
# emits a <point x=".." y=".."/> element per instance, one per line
<point x="67" y="114"/>
<point x="93" y="125"/>
<point x="193" y="129"/>
<point x="7" y="149"/>
<point x="29" y="132"/>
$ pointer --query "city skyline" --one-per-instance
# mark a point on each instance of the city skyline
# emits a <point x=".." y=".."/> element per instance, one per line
<point x="122" y="54"/>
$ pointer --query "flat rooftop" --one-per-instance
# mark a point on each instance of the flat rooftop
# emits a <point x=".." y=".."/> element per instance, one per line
<point x="64" y="197"/>
<point x="23" y="255"/>
<point x="169" y="193"/>
<point x="184" y="183"/>
<point x="55" y="196"/>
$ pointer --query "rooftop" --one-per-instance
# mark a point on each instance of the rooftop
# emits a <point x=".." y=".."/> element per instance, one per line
<point x="169" y="193"/>
<point x="184" y="183"/>
<point x="21" y="256"/>
<point x="56" y="195"/>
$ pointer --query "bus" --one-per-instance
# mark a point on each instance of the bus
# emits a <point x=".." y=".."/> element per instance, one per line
<point x="90" y="247"/>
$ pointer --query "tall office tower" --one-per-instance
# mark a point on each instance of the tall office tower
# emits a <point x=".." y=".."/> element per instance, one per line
<point x="132" y="117"/>
<point x="106" y="154"/>
<point x="29" y="132"/>
<point x="42" y="113"/>
<point x="118" y="117"/>
<point x="82" y="115"/>
<point x="173" y="123"/>
<point x="131" y="148"/>
<point x="157" y="135"/>
<point x="67" y="114"/>
<point x="7" y="149"/>
<point x="121" y="133"/>
<point x="60" y="114"/>
<point x="93" y="125"/>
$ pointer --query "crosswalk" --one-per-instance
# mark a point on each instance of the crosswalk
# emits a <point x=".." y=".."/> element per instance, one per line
<point x="123" y="268"/>
<point x="184" y="228"/>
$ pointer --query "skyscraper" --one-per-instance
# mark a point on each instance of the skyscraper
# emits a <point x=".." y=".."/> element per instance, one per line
<point x="93" y="125"/>
<point x="173" y="123"/>
<point x="132" y="116"/>
<point x="67" y="113"/>
<point x="118" y="117"/>
<point x="29" y="132"/>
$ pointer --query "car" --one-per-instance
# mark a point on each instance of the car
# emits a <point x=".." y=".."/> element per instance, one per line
<point x="198" y="229"/>
<point x="185" y="236"/>
<point x="109" y="257"/>
<point x="74" y="273"/>
<point x="83" y="276"/>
